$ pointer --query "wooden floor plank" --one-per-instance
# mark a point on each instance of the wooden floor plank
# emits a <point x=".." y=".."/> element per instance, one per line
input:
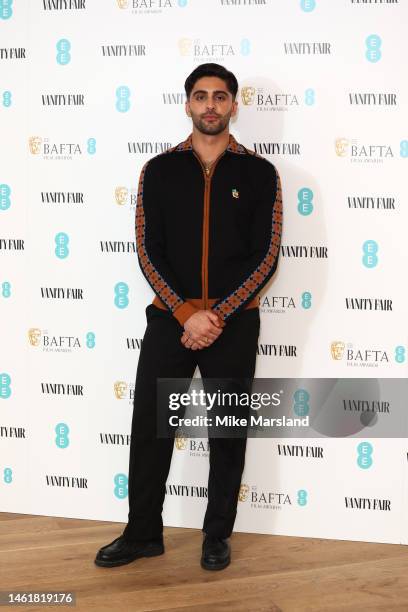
<point x="270" y="573"/>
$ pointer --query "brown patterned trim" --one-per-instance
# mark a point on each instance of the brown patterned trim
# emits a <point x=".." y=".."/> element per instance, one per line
<point x="169" y="297"/>
<point x="233" y="301"/>
<point x="235" y="147"/>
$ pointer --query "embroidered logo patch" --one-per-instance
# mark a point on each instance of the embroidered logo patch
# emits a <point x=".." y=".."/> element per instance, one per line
<point x="235" y="193"/>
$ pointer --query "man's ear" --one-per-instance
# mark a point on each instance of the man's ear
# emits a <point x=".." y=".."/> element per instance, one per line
<point x="234" y="108"/>
<point x="188" y="109"/>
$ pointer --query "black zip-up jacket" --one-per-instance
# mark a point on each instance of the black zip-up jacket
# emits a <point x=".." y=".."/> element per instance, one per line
<point x="208" y="239"/>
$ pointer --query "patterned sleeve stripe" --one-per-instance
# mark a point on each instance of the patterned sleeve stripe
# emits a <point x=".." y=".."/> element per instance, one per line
<point x="168" y="296"/>
<point x="233" y="301"/>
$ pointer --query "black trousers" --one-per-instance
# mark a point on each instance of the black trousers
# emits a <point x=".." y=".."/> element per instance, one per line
<point x="162" y="355"/>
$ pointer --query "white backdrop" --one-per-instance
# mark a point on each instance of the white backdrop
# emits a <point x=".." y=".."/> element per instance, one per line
<point x="92" y="89"/>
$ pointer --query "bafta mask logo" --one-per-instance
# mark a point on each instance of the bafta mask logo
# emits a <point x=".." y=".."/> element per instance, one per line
<point x="337" y="350"/>
<point x="121" y="194"/>
<point x="120" y="389"/>
<point x="341" y="146"/>
<point x="122" y="4"/>
<point x="184" y="45"/>
<point x="247" y="95"/>
<point x="34" y="142"/>
<point x="243" y="492"/>
<point x="180" y="441"/>
<point x="34" y="336"/>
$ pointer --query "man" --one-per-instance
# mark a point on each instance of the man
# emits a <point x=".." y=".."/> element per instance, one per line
<point x="208" y="227"/>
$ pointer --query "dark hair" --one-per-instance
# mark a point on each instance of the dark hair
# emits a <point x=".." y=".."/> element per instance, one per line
<point x="215" y="70"/>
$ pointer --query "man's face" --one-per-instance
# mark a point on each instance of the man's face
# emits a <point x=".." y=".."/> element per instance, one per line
<point x="211" y="105"/>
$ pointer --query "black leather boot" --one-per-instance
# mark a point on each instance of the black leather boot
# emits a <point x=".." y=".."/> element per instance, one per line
<point x="216" y="553"/>
<point x="120" y="551"/>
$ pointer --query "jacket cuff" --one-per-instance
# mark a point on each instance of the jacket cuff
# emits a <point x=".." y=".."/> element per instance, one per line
<point x="184" y="312"/>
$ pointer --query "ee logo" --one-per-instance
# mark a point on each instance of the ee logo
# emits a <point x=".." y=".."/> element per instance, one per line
<point x="370" y="249"/>
<point x="364" y="452"/>
<point x="121" y="486"/>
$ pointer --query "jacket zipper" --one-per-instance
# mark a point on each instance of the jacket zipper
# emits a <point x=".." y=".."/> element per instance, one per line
<point x="208" y="173"/>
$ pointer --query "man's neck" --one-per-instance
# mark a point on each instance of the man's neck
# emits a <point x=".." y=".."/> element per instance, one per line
<point x="207" y="147"/>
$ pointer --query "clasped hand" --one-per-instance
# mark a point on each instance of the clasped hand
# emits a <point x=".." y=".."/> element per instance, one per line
<point x="201" y="330"/>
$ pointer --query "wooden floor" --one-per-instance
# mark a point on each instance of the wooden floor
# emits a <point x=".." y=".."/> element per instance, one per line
<point x="267" y="573"/>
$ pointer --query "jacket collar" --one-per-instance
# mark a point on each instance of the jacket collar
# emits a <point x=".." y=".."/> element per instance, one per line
<point x="233" y="145"/>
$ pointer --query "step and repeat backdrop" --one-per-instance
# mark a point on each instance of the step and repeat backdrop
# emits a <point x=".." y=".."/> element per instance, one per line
<point x="90" y="90"/>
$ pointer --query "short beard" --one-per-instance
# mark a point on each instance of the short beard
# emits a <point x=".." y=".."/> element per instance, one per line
<point x="211" y="130"/>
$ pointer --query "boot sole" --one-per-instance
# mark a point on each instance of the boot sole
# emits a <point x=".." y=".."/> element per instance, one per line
<point x="154" y="552"/>
<point x="219" y="566"/>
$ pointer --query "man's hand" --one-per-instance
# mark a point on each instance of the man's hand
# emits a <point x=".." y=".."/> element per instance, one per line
<point x="201" y="330"/>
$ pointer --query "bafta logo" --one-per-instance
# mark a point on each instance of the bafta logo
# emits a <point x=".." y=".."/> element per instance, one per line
<point x="121" y="194"/>
<point x="341" y="146"/>
<point x="243" y="492"/>
<point x="180" y="441"/>
<point x="120" y="389"/>
<point x="247" y="95"/>
<point x="34" y="336"/>
<point x="34" y="142"/>
<point x="122" y="4"/>
<point x="337" y="350"/>
<point x="184" y="45"/>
